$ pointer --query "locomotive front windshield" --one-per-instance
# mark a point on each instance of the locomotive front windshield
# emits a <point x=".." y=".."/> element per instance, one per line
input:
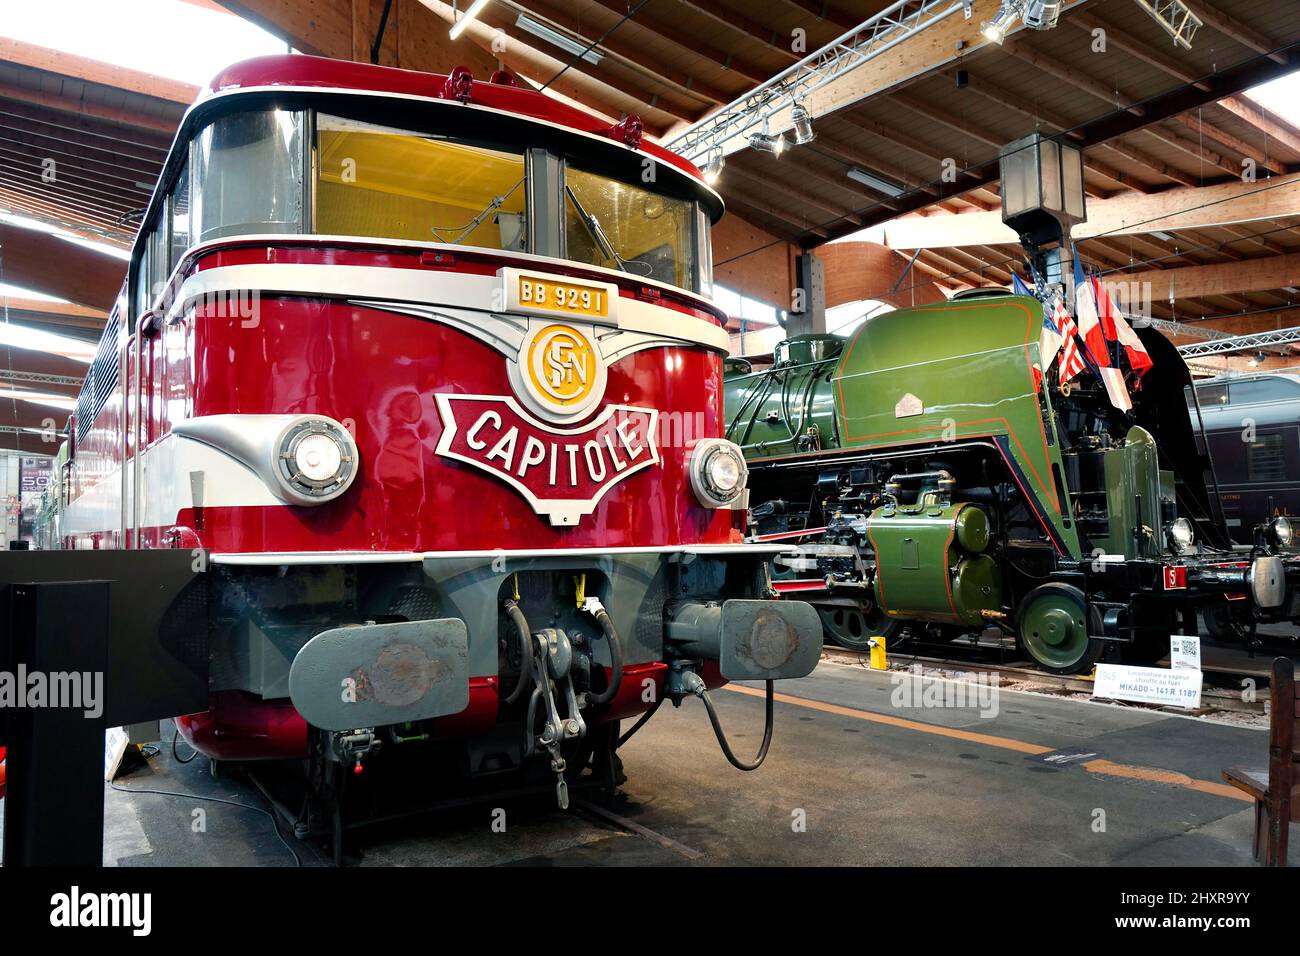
<point x="620" y="226"/>
<point x="376" y="181"/>
<point x="301" y="172"/>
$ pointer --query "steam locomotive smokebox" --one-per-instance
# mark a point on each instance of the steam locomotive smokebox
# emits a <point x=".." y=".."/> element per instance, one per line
<point x="931" y="565"/>
<point x="752" y="640"/>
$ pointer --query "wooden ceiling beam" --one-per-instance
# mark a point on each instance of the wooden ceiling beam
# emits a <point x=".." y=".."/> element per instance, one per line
<point x="748" y="70"/>
<point x="83" y="107"/>
<point x="1135" y="46"/>
<point x="1198" y="151"/>
<point x="87" y="70"/>
<point x="1197" y="125"/>
<point x="631" y="53"/>
<point x="652" y="99"/>
<point x="732" y="19"/>
<point x="1146" y="159"/>
<point x="1229" y="278"/>
<point x="1234" y="29"/>
<point x="776" y="188"/>
<point x="1254" y="114"/>
<point x="1074" y="77"/>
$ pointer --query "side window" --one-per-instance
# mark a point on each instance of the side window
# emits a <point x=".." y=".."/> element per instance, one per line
<point x="180" y="213"/>
<point x="1266" y="458"/>
<point x="247" y="176"/>
<point x="1211" y="395"/>
<point x="143" y="297"/>
<point x="159" y="261"/>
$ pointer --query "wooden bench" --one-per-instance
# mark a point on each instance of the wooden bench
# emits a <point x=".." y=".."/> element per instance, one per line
<point x="1277" y="789"/>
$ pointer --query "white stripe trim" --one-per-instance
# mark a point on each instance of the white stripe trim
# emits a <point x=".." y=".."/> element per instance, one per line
<point x="381" y="557"/>
<point x="434" y="288"/>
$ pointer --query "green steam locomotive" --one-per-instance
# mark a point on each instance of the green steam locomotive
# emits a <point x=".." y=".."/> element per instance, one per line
<point x="931" y="482"/>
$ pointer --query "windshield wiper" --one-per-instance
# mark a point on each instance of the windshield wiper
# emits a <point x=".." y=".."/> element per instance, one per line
<point x="596" y="230"/>
<point x="478" y="220"/>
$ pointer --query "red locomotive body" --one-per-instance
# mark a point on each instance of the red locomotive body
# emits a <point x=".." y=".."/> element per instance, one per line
<point x="425" y="373"/>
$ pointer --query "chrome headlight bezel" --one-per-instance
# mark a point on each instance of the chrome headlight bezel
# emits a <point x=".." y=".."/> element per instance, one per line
<point x="288" y="473"/>
<point x="1280" y="532"/>
<point x="705" y="463"/>
<point x="1181" y="535"/>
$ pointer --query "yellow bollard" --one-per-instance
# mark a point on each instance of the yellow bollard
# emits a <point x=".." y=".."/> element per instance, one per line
<point x="878" y="660"/>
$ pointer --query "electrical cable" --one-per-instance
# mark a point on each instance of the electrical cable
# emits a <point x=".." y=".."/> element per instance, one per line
<point x="176" y="756"/>
<point x="233" y="803"/>
<point x="641" y="722"/>
<point x="596" y="42"/>
<point x="768" y="720"/>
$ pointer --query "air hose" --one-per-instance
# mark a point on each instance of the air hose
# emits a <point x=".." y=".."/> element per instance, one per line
<point x="697" y="688"/>
<point x="525" y="649"/>
<point x="615" y="655"/>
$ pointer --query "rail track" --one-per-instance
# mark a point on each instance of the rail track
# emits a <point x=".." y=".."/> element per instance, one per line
<point x="1226" y="669"/>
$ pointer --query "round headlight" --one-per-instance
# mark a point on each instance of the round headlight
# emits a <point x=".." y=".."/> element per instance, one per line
<point x="723" y="472"/>
<point x="718" y="472"/>
<point x="1180" y="534"/>
<point x="1279" y="529"/>
<point x="316" y="460"/>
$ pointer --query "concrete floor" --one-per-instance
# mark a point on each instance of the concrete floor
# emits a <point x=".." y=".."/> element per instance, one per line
<point x="872" y="783"/>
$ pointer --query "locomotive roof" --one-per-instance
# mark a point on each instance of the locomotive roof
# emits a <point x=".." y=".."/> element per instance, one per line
<point x="263" y="78"/>
<point x="298" y="71"/>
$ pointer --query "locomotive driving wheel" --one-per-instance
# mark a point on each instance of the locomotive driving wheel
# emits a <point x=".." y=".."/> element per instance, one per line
<point x="1053" y="622"/>
<point x="853" y="628"/>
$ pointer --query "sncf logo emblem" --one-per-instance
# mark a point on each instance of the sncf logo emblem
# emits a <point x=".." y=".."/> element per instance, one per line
<point x="562" y="472"/>
<point x="559" y="373"/>
<point x="562" y="365"/>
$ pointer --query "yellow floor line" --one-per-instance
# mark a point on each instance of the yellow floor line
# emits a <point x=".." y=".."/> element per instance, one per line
<point x="1098" y="766"/>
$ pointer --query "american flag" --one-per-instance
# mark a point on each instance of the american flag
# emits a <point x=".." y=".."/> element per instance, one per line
<point x="1071" y="359"/>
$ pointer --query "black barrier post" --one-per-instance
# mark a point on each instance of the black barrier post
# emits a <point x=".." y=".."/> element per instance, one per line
<point x="54" y="807"/>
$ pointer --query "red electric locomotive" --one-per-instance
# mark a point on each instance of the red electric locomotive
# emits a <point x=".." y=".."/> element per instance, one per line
<point x="425" y="370"/>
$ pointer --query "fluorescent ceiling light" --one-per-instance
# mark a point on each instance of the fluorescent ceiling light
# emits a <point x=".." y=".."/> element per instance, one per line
<point x="557" y="39"/>
<point x="39" y="398"/>
<point x="474" y="10"/>
<point x="874" y="182"/>
<point x="1163" y="236"/>
<point x="38" y="340"/>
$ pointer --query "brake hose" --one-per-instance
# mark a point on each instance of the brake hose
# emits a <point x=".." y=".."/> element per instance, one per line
<point x="525" y="649"/>
<point x="697" y="687"/>
<point x="615" y="657"/>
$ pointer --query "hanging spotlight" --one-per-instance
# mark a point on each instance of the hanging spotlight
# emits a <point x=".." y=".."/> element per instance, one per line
<point x="1256" y="360"/>
<point x="713" y="168"/>
<point x="1008" y="13"/>
<point x="1043" y="14"/>
<point x="803" y="127"/>
<point x="768" y="143"/>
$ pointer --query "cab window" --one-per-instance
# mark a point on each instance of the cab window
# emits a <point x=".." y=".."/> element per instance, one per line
<point x="626" y="227"/>
<point x="247" y="176"/>
<point x="395" y="184"/>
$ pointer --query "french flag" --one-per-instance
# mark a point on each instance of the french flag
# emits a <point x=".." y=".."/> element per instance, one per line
<point x="1095" y="340"/>
<point x="1116" y="328"/>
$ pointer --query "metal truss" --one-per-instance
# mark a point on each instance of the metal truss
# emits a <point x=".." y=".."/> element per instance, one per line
<point x="1180" y="328"/>
<point x="1179" y="22"/>
<point x="727" y="130"/>
<point x="1242" y="343"/>
<point x="39" y="378"/>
